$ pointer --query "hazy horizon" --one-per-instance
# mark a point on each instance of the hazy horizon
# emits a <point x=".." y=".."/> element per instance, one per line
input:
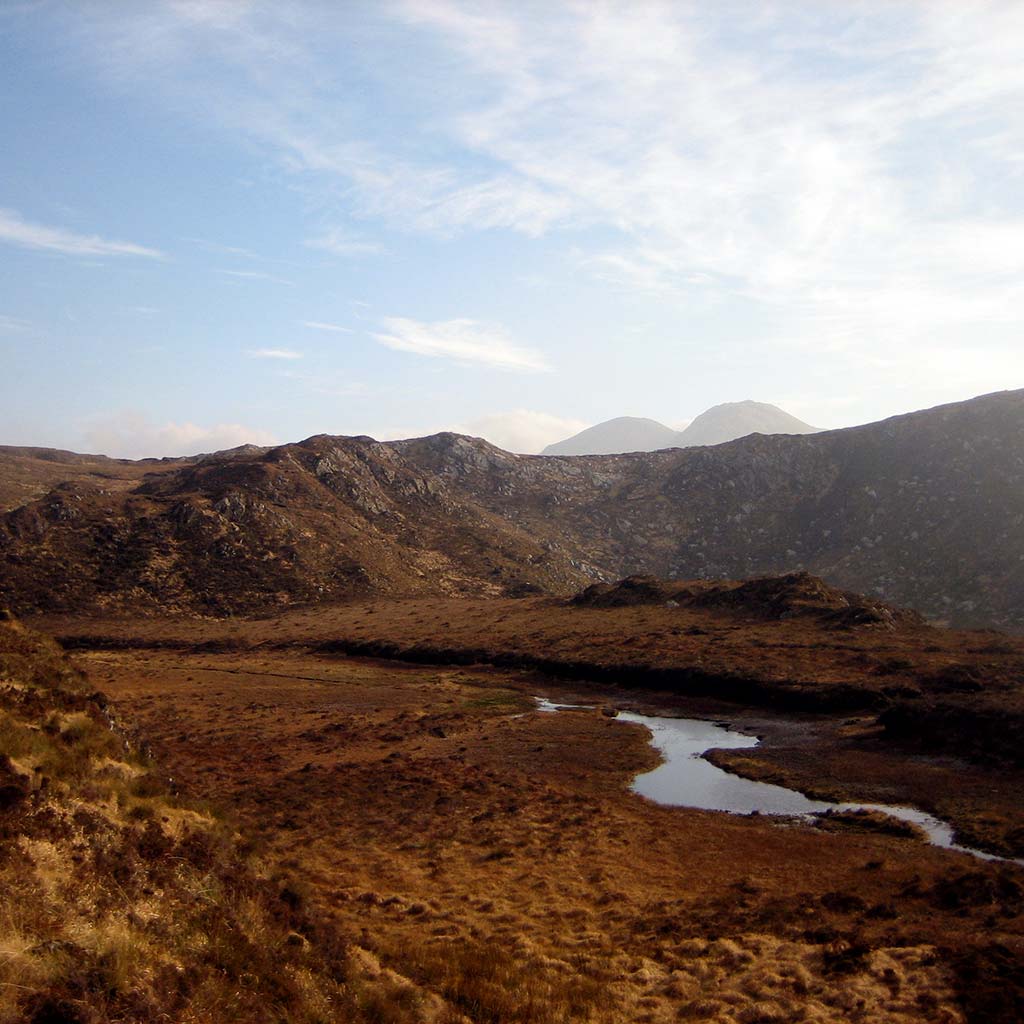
<point x="187" y="450"/>
<point x="231" y="221"/>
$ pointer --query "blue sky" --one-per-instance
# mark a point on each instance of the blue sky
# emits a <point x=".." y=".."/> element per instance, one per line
<point x="232" y="220"/>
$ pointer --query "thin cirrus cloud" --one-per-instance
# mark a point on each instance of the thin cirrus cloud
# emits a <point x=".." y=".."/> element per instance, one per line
<point x="255" y="275"/>
<point x="274" y="353"/>
<point x="13" y="324"/>
<point x="15" y="230"/>
<point x="709" y="151"/>
<point x="813" y="174"/>
<point x="320" y="325"/>
<point x="460" y="341"/>
<point x="341" y="243"/>
<point x="807" y="194"/>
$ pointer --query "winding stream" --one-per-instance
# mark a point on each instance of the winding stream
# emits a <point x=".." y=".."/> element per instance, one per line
<point x="686" y="779"/>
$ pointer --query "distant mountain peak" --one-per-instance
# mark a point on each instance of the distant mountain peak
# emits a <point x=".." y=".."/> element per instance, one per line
<point x="731" y="420"/>
<point x="719" y="424"/>
<point x="622" y="434"/>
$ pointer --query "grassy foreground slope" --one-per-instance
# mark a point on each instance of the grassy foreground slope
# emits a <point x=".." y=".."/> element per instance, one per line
<point x="462" y="857"/>
<point x="120" y="901"/>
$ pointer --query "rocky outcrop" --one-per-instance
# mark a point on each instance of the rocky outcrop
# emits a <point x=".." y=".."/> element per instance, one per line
<point x="762" y="598"/>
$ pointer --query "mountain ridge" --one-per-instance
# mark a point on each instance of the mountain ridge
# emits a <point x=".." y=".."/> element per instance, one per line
<point x="922" y="510"/>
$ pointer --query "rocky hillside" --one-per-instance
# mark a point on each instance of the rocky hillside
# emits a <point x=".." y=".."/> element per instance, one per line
<point x="29" y="473"/>
<point x="325" y="519"/>
<point x="924" y="510"/>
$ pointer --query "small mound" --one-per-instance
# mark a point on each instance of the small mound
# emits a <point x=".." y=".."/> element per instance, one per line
<point x="782" y="597"/>
<point x="630" y="592"/>
<point x="765" y="597"/>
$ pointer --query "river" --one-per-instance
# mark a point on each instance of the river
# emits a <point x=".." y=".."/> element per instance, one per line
<point x="686" y="779"/>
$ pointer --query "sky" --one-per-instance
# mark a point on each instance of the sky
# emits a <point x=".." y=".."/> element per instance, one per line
<point x="229" y="221"/>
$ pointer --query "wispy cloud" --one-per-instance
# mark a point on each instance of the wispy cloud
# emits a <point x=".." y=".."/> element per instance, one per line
<point x="13" y="324"/>
<point x="847" y="176"/>
<point x="342" y="243"/>
<point x="230" y="250"/>
<point x="461" y="341"/>
<point x="133" y="435"/>
<point x="15" y="230"/>
<point x="800" y="167"/>
<point x="319" y="325"/>
<point x="273" y="353"/>
<point x="255" y="275"/>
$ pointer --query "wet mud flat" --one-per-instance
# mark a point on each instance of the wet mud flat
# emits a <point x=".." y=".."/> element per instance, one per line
<point x="499" y="856"/>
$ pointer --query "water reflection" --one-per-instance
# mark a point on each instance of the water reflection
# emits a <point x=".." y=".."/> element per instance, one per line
<point x="686" y="779"/>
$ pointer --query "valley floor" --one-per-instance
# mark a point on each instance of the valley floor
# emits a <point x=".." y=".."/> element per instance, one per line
<point x="496" y="856"/>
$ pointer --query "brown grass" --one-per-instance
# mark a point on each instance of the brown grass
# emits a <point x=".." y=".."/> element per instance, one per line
<point x="110" y="913"/>
<point x="403" y="843"/>
<point x="496" y="860"/>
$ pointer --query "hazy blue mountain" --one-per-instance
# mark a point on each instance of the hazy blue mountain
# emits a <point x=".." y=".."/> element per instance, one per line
<point x="716" y="426"/>
<point x="622" y="434"/>
<point x="726" y="422"/>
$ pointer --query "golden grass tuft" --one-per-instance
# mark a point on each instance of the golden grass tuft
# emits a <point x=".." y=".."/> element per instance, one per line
<point x="117" y="900"/>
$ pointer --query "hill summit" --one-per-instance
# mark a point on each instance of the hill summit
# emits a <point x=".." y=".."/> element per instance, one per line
<point x="617" y="436"/>
<point x="717" y="425"/>
<point x="726" y="422"/>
